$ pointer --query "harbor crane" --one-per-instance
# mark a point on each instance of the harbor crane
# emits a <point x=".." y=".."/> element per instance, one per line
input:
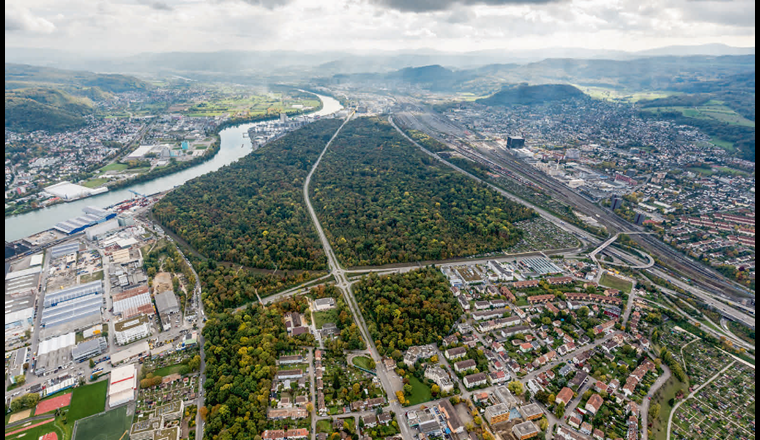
<point x="137" y="193"/>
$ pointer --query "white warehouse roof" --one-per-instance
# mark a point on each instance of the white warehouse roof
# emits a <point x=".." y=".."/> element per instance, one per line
<point x="57" y="343"/>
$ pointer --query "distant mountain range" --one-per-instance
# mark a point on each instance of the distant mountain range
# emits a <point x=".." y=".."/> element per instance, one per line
<point x="289" y="63"/>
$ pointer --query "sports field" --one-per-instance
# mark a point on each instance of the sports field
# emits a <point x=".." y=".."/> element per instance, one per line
<point x="88" y="400"/>
<point x="53" y="404"/>
<point x="108" y="426"/>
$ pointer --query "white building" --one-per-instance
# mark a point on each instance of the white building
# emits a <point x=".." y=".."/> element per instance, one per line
<point x="122" y="385"/>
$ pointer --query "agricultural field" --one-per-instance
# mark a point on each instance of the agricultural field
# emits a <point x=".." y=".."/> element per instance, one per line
<point x="233" y="103"/>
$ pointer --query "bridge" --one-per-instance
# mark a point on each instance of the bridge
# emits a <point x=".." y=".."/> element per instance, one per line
<point x="650" y="260"/>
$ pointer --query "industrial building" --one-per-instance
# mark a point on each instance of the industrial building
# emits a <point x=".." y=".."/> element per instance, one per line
<point x="87" y="349"/>
<point x="167" y="305"/>
<point x="62" y="250"/>
<point x="122" y="385"/>
<point x="92" y="216"/>
<point x="54" y="353"/>
<point x="133" y="302"/>
<point x="129" y="353"/>
<point x="540" y="265"/>
<point x="69" y="191"/>
<point x="19" y="321"/>
<point x="515" y="142"/>
<point x="95" y="231"/>
<point x="52" y="299"/>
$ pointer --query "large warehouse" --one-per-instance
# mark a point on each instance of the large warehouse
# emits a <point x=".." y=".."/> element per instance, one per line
<point x="132" y="302"/>
<point x="92" y="216"/>
<point x="83" y="300"/>
<point x="122" y="385"/>
<point x="62" y="250"/>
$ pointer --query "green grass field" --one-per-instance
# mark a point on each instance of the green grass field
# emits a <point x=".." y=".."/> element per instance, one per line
<point x="668" y="391"/>
<point x="362" y="361"/>
<point x="165" y="371"/>
<point x="87" y="400"/>
<point x="615" y="283"/>
<point x="108" y="426"/>
<point x="420" y="393"/>
<point x="320" y="318"/>
<point x="114" y="167"/>
<point x="324" y="426"/>
<point x="94" y="183"/>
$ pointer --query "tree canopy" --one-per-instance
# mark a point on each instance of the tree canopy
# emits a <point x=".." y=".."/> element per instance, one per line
<point x="382" y="201"/>
<point x="252" y="211"/>
<point x="407" y="309"/>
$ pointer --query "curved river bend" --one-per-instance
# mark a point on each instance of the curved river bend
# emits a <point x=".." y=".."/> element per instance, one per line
<point x="23" y="225"/>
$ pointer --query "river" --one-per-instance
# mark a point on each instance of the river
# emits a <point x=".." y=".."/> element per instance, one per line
<point x="24" y="225"/>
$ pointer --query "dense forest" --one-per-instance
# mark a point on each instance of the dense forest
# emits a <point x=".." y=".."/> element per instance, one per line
<point x="407" y="309"/>
<point x="382" y="201"/>
<point x="252" y="211"/>
<point x="241" y="350"/>
<point x="44" y="109"/>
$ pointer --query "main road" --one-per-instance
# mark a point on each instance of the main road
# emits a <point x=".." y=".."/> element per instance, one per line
<point x="345" y="287"/>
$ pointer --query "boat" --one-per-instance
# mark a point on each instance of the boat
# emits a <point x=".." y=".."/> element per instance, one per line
<point x="242" y="145"/>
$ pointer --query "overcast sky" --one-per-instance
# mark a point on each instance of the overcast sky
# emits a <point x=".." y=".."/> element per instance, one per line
<point x="133" y="26"/>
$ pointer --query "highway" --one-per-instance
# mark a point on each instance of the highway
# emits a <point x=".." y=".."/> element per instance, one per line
<point x="344" y="285"/>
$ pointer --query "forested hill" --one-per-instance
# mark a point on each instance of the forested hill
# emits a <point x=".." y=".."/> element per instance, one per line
<point x="252" y="211"/>
<point x="528" y="95"/>
<point x="43" y="98"/>
<point x="23" y="75"/>
<point x="44" y="109"/>
<point x="382" y="201"/>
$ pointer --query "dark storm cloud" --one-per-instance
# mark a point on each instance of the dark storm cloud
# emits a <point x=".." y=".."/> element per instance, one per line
<point x="442" y="5"/>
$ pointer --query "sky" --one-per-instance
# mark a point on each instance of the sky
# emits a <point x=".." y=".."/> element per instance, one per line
<point x="123" y="27"/>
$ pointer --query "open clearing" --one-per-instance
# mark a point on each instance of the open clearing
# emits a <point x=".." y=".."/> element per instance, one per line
<point x="420" y="393"/>
<point x="615" y="283"/>
<point x="362" y="361"/>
